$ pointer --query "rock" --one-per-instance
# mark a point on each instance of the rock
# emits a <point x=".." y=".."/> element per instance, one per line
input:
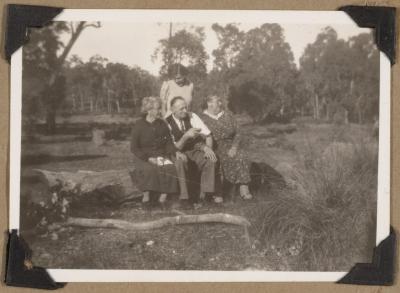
<point x="54" y="236"/>
<point x="98" y="137"/>
<point x="264" y="177"/>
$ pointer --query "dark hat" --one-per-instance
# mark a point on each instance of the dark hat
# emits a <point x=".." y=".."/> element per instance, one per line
<point x="176" y="68"/>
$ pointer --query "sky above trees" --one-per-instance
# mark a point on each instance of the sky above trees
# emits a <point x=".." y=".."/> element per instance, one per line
<point x="134" y="43"/>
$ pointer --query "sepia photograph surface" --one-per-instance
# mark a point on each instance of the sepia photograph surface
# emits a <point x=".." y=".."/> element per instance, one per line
<point x="209" y="146"/>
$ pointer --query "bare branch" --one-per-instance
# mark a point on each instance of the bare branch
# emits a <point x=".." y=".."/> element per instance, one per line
<point x="177" y="220"/>
<point x="74" y="36"/>
<point x="71" y="26"/>
<point x="95" y="25"/>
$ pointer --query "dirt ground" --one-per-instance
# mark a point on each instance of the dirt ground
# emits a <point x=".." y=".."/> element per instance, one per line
<point x="180" y="247"/>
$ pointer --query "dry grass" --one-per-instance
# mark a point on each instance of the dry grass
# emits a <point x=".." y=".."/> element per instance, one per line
<point x="325" y="219"/>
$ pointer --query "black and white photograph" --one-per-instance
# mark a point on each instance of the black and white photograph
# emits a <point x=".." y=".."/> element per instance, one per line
<point x="183" y="145"/>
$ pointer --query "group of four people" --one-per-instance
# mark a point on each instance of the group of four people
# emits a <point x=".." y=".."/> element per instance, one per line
<point x="170" y="140"/>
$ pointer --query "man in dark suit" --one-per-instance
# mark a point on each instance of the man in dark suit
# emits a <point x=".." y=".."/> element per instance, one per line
<point x="193" y="140"/>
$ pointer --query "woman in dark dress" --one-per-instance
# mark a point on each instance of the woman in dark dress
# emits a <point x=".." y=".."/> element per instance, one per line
<point x="224" y="129"/>
<point x="153" y="150"/>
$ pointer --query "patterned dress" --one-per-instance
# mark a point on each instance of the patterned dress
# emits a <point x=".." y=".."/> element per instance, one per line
<point x="226" y="134"/>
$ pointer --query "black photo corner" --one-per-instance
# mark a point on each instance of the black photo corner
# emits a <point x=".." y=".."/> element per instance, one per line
<point x="20" y="272"/>
<point x="383" y="20"/>
<point x="19" y="18"/>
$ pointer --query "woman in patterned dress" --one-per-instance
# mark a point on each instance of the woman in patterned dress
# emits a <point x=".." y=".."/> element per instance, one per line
<point x="224" y="129"/>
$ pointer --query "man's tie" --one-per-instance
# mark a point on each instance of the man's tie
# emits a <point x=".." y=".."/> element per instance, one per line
<point x="182" y="126"/>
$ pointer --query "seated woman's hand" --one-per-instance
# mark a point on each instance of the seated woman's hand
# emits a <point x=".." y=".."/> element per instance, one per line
<point x="181" y="156"/>
<point x="209" y="154"/>
<point x="153" y="161"/>
<point x="232" y="152"/>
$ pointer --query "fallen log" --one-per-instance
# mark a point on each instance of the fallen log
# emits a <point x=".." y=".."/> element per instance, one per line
<point x="176" y="220"/>
<point x="88" y="181"/>
<point x="117" y="186"/>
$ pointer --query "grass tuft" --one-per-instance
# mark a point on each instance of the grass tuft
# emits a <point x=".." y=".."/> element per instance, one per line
<point x="325" y="219"/>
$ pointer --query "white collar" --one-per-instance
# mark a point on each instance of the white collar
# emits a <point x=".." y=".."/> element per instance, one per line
<point x="178" y="121"/>
<point x="216" y="117"/>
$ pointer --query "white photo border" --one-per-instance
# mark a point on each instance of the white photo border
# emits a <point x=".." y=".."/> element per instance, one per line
<point x="199" y="16"/>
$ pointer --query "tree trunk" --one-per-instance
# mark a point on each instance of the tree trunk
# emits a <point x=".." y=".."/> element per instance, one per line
<point x="51" y="112"/>
<point x="73" y="104"/>
<point x="118" y="107"/>
<point x="75" y="35"/>
<point x="316" y="107"/>
<point x="327" y="111"/>
<point x="346" y="116"/>
<point x="51" y="121"/>
<point x="81" y="100"/>
<point x="359" y="111"/>
<point x="156" y="224"/>
<point x="108" y="103"/>
<point x="91" y="104"/>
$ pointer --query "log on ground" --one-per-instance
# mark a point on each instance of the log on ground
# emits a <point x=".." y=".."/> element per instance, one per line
<point x="88" y="181"/>
<point x="167" y="221"/>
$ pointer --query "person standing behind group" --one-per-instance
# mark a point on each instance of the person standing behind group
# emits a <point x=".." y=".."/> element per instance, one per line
<point x="225" y="132"/>
<point x="177" y="86"/>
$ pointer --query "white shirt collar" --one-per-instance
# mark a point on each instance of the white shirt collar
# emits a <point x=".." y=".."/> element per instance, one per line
<point x="178" y="121"/>
<point x="216" y="117"/>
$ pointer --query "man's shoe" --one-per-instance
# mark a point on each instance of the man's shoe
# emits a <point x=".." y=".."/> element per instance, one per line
<point x="247" y="196"/>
